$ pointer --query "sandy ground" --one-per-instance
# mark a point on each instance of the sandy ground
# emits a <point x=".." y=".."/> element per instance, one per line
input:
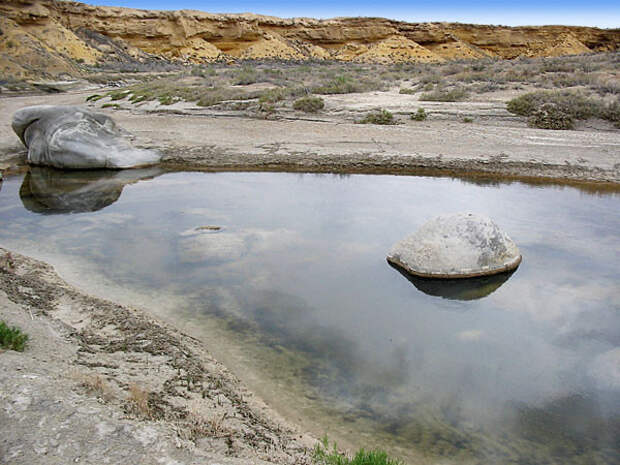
<point x="102" y="383"/>
<point x="495" y="143"/>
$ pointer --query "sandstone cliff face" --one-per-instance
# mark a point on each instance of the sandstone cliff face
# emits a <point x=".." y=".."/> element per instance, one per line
<point x="52" y="35"/>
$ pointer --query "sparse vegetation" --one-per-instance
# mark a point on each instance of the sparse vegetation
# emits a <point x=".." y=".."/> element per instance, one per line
<point x="468" y="119"/>
<point x="12" y="338"/>
<point x="559" y="109"/>
<point x="587" y="79"/>
<point x="322" y="455"/>
<point x="310" y="104"/>
<point x="419" y="115"/>
<point x="245" y="77"/>
<point x="114" y="106"/>
<point x="119" y="95"/>
<point x="94" y="97"/>
<point x="445" y="95"/>
<point x="338" y="85"/>
<point x="345" y="84"/>
<point x="378" y="117"/>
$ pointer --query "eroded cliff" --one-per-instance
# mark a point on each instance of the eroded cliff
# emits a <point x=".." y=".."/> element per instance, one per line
<point x="52" y="37"/>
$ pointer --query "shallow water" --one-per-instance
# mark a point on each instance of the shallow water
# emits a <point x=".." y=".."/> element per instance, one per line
<point x="523" y="368"/>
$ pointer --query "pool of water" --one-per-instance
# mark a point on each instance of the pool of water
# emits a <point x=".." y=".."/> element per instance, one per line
<point x="290" y="269"/>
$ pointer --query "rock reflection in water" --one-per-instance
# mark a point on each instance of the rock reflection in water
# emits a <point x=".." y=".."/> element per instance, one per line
<point x="52" y="191"/>
<point x="457" y="289"/>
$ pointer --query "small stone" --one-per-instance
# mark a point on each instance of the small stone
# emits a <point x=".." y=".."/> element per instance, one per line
<point x="461" y="245"/>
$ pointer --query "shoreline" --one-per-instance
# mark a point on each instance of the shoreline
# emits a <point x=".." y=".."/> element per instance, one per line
<point x="496" y="150"/>
<point x="136" y="384"/>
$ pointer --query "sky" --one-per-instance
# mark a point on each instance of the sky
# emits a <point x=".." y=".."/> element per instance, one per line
<point x="600" y="13"/>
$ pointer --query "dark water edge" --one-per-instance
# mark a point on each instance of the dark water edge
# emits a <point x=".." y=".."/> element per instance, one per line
<point x="518" y="370"/>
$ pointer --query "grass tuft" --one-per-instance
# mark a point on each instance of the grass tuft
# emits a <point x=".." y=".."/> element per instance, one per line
<point x="12" y="338"/>
<point x="322" y="455"/>
<point x="94" y="97"/>
<point x="139" y="400"/>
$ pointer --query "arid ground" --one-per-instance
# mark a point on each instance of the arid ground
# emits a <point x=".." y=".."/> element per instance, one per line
<point x="150" y="394"/>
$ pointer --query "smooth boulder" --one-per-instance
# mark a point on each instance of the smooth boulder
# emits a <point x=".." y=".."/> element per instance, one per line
<point x="64" y="136"/>
<point x="461" y="245"/>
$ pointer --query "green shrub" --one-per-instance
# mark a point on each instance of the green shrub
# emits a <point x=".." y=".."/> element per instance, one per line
<point x="338" y="85"/>
<point x="323" y="456"/>
<point x="166" y="99"/>
<point x="245" y="77"/>
<point x="467" y="119"/>
<point x="310" y="104"/>
<point x="420" y="115"/>
<point x="378" y="117"/>
<point x="12" y="338"/>
<point x="116" y="106"/>
<point x="611" y="112"/>
<point x="550" y="116"/>
<point x="574" y="104"/>
<point x="272" y="96"/>
<point x="408" y="91"/>
<point x="444" y="95"/>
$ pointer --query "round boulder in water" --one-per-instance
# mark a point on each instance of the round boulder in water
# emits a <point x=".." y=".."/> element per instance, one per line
<point x="462" y="245"/>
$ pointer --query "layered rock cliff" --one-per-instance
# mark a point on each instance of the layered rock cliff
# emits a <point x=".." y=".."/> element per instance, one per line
<point x="51" y="37"/>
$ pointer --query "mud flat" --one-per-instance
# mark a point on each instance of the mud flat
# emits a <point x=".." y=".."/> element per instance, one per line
<point x="99" y="381"/>
<point x="496" y="144"/>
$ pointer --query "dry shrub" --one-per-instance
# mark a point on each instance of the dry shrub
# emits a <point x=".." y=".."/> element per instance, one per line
<point x="139" y="399"/>
<point x="443" y="95"/>
<point x="550" y="116"/>
<point x="309" y="104"/>
<point x="198" y="426"/>
<point x="7" y="262"/>
<point x="96" y="384"/>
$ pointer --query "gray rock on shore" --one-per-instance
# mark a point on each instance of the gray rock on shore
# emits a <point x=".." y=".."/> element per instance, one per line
<point x="461" y="245"/>
<point x="73" y="137"/>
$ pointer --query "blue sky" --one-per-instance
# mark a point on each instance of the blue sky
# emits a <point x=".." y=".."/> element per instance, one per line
<point x="601" y="13"/>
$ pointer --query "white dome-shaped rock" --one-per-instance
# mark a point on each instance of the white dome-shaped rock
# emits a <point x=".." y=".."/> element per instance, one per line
<point x="462" y="245"/>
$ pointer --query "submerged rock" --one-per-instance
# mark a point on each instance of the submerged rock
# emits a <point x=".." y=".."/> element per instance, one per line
<point x="462" y="245"/>
<point x="73" y="137"/>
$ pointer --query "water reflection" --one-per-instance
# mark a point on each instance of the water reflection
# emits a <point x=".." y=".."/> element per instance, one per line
<point x="297" y="279"/>
<point x="51" y="191"/>
<point x="457" y="289"/>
